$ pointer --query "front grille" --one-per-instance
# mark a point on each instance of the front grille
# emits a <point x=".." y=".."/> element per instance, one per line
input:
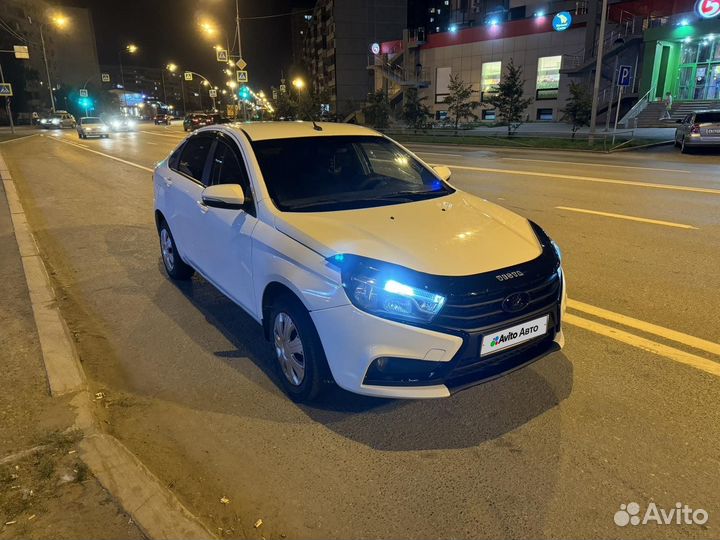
<point x="474" y="310"/>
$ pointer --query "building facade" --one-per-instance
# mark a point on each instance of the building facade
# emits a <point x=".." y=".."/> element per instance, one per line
<point x="336" y="47"/>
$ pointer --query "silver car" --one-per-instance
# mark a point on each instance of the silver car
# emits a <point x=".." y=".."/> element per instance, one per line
<point x="698" y="129"/>
<point x="92" y="126"/>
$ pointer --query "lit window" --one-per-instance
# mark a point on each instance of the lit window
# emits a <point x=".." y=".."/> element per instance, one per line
<point x="432" y="19"/>
<point x="490" y="78"/>
<point x="548" y="77"/>
<point x="447" y="2"/>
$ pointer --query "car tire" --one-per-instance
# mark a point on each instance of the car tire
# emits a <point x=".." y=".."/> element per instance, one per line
<point x="174" y="265"/>
<point x="300" y="358"/>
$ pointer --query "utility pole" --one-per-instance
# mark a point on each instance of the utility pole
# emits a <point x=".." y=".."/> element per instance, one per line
<point x="7" y="103"/>
<point x="237" y="27"/>
<point x="598" y="70"/>
<point x="47" y="69"/>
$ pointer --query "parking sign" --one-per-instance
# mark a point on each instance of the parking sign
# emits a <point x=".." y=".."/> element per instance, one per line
<point x="105" y="77"/>
<point x="624" y="75"/>
<point x="83" y="92"/>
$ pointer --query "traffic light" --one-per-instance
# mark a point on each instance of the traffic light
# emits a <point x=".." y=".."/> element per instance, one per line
<point x="85" y="102"/>
<point x="244" y="92"/>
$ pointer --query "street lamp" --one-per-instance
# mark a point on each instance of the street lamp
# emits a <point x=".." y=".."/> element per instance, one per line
<point x="61" y="22"/>
<point x="172" y="68"/>
<point x="298" y="83"/>
<point x="130" y="49"/>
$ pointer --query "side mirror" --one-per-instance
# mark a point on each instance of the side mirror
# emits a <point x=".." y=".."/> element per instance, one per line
<point x="228" y="196"/>
<point x="442" y="171"/>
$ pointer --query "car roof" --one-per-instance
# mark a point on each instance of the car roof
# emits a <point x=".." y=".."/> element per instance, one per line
<point x="262" y="131"/>
<point x="707" y="111"/>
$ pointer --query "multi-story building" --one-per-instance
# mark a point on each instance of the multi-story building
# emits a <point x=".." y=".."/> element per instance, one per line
<point x="665" y="46"/>
<point x="69" y="39"/>
<point x="336" y="47"/>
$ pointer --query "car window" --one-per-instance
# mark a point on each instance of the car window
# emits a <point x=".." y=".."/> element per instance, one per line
<point x="340" y="172"/>
<point x="193" y="157"/>
<point x="228" y="167"/>
<point x="708" y="118"/>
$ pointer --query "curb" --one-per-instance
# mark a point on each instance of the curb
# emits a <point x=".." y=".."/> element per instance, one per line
<point x="154" y="508"/>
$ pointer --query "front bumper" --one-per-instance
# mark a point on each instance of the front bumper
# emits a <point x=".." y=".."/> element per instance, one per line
<point x="354" y="340"/>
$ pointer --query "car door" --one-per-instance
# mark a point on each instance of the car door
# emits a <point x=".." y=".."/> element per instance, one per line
<point x="185" y="183"/>
<point x="226" y="249"/>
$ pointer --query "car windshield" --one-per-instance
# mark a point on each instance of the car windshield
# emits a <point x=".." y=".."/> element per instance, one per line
<point x="91" y="121"/>
<point x="314" y="174"/>
<point x="708" y="118"/>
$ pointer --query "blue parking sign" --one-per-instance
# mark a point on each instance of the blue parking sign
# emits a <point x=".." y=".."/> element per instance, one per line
<point x="624" y="75"/>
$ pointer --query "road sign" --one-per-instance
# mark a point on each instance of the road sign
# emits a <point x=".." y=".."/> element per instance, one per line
<point x="21" y="52"/>
<point x="222" y="55"/>
<point x="283" y="88"/>
<point x="6" y="89"/>
<point x="708" y="9"/>
<point x="242" y="76"/>
<point x="83" y="92"/>
<point x="188" y="76"/>
<point x="241" y="64"/>
<point x="624" y="75"/>
<point x="105" y="77"/>
<point x="375" y="48"/>
<point x="562" y="21"/>
<point x="274" y="94"/>
<point x="213" y="92"/>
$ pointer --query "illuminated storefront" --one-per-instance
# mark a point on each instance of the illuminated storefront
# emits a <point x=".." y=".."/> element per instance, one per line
<point x="683" y="59"/>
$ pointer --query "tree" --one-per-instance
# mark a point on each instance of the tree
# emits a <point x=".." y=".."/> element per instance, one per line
<point x="578" y="107"/>
<point x="458" y="100"/>
<point x="508" y="100"/>
<point x="377" y="110"/>
<point x="414" y="112"/>
<point x="285" y="107"/>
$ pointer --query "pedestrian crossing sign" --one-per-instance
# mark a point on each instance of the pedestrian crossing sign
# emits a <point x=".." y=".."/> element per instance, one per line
<point x="242" y="76"/>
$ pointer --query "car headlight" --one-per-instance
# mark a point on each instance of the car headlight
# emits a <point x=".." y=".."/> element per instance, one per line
<point x="387" y="290"/>
<point x="44" y="121"/>
<point x="55" y="121"/>
<point x="115" y="124"/>
<point x="557" y="249"/>
<point x="131" y="124"/>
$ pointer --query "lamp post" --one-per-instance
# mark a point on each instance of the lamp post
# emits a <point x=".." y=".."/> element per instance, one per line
<point x="59" y="21"/>
<point x="172" y="68"/>
<point x="130" y="49"/>
<point x="598" y="71"/>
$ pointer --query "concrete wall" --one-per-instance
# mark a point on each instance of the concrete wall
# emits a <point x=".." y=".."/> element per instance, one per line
<point x="467" y="60"/>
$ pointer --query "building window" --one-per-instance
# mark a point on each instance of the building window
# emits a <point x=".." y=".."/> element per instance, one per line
<point x="545" y="115"/>
<point x="489" y="114"/>
<point x="490" y="78"/>
<point x="548" y="77"/>
<point x="442" y="81"/>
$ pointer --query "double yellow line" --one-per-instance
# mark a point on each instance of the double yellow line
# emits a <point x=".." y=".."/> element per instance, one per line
<point x="672" y="353"/>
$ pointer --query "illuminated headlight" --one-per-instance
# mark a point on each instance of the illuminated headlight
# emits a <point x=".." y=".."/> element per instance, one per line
<point x="115" y="124"/>
<point x="382" y="293"/>
<point x="44" y="121"/>
<point x="103" y="128"/>
<point x="56" y="121"/>
<point x="131" y="124"/>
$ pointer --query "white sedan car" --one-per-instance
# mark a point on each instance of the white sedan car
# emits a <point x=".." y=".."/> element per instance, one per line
<point x="363" y="265"/>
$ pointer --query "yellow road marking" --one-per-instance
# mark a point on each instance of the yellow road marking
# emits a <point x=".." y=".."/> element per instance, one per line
<point x="650" y="328"/>
<point x="104" y="155"/>
<point x="588" y="179"/>
<point x="582" y="163"/>
<point x="629" y="218"/>
<point x="682" y="357"/>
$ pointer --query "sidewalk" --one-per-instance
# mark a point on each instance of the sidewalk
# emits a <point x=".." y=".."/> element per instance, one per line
<point x="45" y="490"/>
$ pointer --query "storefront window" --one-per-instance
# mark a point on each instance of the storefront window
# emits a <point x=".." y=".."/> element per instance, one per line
<point x="490" y="78"/>
<point x="548" y="77"/>
<point x="704" y="49"/>
<point x="716" y="56"/>
<point x="688" y="54"/>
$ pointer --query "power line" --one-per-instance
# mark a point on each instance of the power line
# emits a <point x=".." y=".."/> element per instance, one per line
<point x="273" y="16"/>
<point x="9" y="29"/>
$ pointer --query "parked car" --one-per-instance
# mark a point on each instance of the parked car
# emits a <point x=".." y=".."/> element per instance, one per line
<point x="121" y="123"/>
<point x="195" y="120"/>
<point x="92" y="126"/>
<point x="58" y="119"/>
<point x="162" y="118"/>
<point x="698" y="129"/>
<point x="362" y="264"/>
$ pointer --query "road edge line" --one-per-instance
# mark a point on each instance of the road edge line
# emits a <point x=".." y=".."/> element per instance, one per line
<point x="155" y="509"/>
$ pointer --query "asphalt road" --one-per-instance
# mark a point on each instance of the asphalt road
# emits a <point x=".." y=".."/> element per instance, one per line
<point x="626" y="413"/>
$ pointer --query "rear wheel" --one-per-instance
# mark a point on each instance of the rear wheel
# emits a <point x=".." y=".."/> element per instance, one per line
<point x="174" y="265"/>
<point x="300" y="357"/>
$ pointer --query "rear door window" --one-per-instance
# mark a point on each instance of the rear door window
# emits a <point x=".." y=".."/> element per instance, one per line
<point x="708" y="118"/>
<point x="193" y="157"/>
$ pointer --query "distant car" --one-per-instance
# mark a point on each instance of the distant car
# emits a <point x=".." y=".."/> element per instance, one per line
<point x="217" y="118"/>
<point x="196" y="120"/>
<point x="162" y="118"/>
<point x="58" y="119"/>
<point x="122" y="123"/>
<point x="698" y="129"/>
<point x="92" y="126"/>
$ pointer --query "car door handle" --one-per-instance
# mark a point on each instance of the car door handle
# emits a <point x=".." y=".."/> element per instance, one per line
<point x="203" y="207"/>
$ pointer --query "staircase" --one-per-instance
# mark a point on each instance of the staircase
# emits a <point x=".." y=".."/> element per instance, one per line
<point x="650" y="116"/>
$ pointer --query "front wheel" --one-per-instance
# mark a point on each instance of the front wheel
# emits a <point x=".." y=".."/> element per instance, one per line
<point x="298" y="351"/>
<point x="174" y="265"/>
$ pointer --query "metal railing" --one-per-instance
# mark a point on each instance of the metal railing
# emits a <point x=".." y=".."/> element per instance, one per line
<point x="636" y="109"/>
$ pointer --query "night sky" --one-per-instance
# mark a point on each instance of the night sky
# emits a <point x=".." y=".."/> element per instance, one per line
<point x="168" y="31"/>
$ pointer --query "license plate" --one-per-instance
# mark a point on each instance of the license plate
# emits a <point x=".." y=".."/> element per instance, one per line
<point x="509" y="337"/>
<point x="713" y="131"/>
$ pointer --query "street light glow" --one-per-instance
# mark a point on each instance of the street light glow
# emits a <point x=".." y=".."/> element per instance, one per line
<point x="132" y="48"/>
<point x="298" y="83"/>
<point x="171" y="67"/>
<point x="208" y="28"/>
<point x="61" y="21"/>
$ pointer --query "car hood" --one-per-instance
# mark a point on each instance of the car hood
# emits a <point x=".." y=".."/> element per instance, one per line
<point x="456" y="235"/>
